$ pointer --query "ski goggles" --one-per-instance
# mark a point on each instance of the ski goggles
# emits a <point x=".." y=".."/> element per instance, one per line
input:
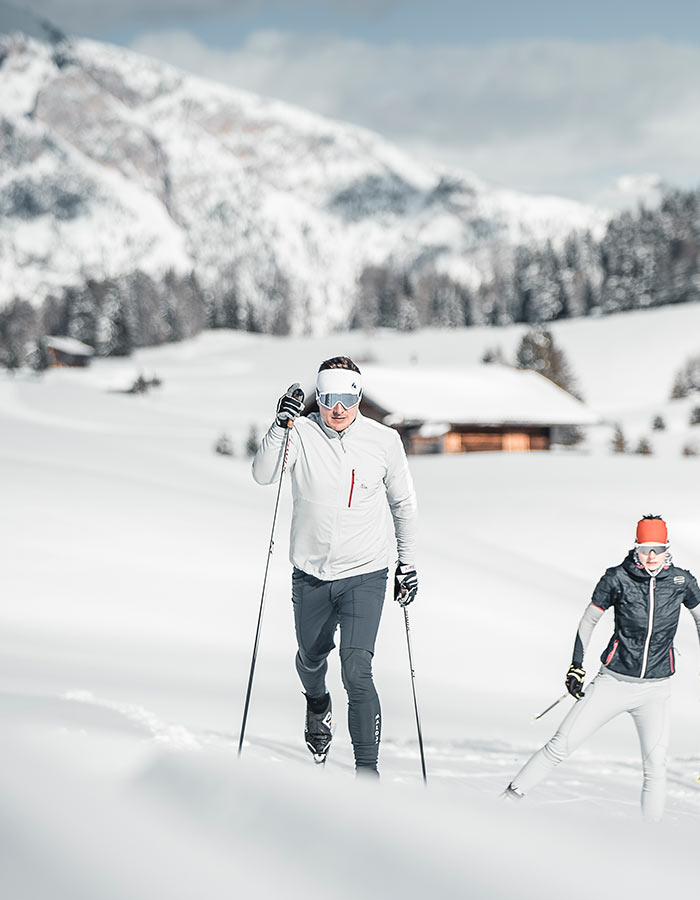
<point x="646" y="549"/>
<point x="330" y="400"/>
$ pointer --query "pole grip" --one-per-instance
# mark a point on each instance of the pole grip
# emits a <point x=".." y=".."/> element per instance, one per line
<point x="298" y="394"/>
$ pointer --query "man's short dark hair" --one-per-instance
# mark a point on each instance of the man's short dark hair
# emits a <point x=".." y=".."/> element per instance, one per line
<point x="339" y="362"/>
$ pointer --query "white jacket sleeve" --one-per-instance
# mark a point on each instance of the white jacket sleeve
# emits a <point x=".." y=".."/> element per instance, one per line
<point x="402" y="502"/>
<point x="592" y="615"/>
<point x="267" y="462"/>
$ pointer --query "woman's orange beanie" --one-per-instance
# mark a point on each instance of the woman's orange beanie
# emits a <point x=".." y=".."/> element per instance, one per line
<point x="652" y="530"/>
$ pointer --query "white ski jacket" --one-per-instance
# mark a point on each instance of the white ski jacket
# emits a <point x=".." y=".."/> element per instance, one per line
<point x="344" y="485"/>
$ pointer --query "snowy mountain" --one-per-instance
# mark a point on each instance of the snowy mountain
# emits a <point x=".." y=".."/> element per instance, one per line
<point x="112" y="163"/>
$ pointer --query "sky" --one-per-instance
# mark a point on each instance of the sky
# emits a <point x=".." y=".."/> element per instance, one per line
<point x="597" y="101"/>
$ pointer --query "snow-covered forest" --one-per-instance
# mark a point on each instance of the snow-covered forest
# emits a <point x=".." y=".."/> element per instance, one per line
<point x="645" y="259"/>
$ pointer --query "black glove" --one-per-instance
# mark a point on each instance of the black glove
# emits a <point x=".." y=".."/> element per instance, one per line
<point x="574" y="681"/>
<point x="289" y="405"/>
<point x="405" y="584"/>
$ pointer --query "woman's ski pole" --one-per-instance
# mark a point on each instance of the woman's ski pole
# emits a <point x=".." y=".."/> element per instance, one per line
<point x="299" y="394"/>
<point x="551" y="706"/>
<point x="415" y="700"/>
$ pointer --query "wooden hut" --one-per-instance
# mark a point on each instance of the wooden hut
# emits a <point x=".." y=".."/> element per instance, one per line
<point x="67" y="351"/>
<point x="469" y="409"/>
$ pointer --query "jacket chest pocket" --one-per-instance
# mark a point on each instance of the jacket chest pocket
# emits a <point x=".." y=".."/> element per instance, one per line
<point x="364" y="481"/>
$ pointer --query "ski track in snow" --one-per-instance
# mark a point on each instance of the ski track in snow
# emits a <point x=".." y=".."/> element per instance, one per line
<point x="176" y="736"/>
<point x="469" y="767"/>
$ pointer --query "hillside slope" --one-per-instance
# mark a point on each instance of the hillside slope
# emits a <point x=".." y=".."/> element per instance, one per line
<point x="114" y="163"/>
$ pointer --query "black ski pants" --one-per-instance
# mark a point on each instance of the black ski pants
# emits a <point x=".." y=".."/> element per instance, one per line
<point x="354" y="604"/>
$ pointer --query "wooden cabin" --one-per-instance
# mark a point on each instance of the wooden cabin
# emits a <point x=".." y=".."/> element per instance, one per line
<point x="67" y="351"/>
<point x="468" y="409"/>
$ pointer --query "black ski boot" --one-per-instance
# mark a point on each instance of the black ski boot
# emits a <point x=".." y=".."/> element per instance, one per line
<point x="318" y="732"/>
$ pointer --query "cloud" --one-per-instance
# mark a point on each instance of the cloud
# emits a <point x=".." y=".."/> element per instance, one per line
<point x="82" y="16"/>
<point x="546" y="116"/>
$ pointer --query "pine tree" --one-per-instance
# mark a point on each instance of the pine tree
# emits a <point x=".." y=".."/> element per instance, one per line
<point x="687" y="379"/>
<point x="230" y="313"/>
<point x="370" y="285"/>
<point x="644" y="448"/>
<point x="18" y="326"/>
<point x="81" y="314"/>
<point x="115" y="333"/>
<point x="493" y="355"/>
<point x="38" y="358"/>
<point x="253" y="442"/>
<point x="679" y="389"/>
<point x="618" y="443"/>
<point x="538" y="351"/>
<point x="407" y="316"/>
<point x="437" y="299"/>
<point x="658" y="424"/>
<point x="224" y="445"/>
<point x="281" y="303"/>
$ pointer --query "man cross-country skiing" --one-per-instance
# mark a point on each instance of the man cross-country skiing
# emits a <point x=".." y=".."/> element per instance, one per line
<point x="646" y="591"/>
<point x="350" y="478"/>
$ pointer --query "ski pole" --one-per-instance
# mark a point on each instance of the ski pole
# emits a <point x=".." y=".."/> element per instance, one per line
<point x="551" y="706"/>
<point x="415" y="700"/>
<point x="298" y="393"/>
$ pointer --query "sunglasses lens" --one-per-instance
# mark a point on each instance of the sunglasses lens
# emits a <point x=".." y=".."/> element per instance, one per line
<point x="657" y="548"/>
<point x="345" y="400"/>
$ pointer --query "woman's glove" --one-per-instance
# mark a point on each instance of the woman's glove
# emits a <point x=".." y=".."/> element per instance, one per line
<point x="574" y="681"/>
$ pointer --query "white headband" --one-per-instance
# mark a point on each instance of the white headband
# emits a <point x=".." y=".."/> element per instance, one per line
<point x="339" y="381"/>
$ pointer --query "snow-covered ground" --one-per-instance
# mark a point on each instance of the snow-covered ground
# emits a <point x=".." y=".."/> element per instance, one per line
<point x="132" y="561"/>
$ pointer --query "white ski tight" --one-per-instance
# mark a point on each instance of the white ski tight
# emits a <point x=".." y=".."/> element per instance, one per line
<point x="606" y="697"/>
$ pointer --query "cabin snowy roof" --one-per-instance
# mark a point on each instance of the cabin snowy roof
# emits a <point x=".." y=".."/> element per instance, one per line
<point x="475" y="395"/>
<point x="69" y="345"/>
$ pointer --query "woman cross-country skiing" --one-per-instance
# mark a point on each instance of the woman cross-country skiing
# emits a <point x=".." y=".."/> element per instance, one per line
<point x="646" y="591"/>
